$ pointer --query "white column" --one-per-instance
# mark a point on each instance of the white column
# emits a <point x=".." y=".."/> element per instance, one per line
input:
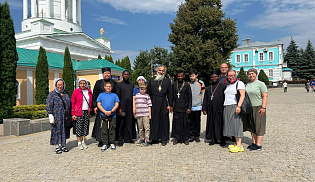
<point x="29" y="87"/>
<point x="48" y="5"/>
<point x="33" y="8"/>
<point x="74" y="11"/>
<point x="63" y="10"/>
<point x="25" y="9"/>
<point x="79" y="12"/>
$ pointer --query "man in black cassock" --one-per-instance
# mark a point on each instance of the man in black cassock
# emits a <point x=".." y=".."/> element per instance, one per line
<point x="182" y="107"/>
<point x="99" y="88"/>
<point x="126" y="121"/>
<point x="213" y="108"/>
<point x="160" y="91"/>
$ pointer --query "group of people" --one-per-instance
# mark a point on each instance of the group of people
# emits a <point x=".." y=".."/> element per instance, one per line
<point x="310" y="85"/>
<point x="119" y="106"/>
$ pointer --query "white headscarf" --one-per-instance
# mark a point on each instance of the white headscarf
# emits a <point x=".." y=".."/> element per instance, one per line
<point x="55" y="86"/>
<point x="86" y="83"/>
<point x="141" y="77"/>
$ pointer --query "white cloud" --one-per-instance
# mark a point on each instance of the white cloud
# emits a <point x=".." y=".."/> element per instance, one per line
<point x="110" y="20"/>
<point x="144" y="6"/>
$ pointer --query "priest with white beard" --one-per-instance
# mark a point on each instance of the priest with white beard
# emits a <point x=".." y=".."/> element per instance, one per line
<point x="160" y="91"/>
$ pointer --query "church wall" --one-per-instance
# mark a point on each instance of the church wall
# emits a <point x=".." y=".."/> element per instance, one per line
<point x="92" y="78"/>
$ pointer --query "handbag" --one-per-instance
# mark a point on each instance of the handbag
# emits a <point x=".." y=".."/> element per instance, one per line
<point x="246" y="107"/>
<point x="67" y="118"/>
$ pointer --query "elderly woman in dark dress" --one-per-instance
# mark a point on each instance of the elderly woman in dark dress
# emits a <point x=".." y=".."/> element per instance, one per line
<point x="57" y="104"/>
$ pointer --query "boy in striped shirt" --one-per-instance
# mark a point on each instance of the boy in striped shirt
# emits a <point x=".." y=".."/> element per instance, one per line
<point x="143" y="114"/>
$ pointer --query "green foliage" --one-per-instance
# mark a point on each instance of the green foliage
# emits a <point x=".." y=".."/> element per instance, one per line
<point x="263" y="77"/>
<point x="68" y="72"/>
<point x="141" y="66"/>
<point x="118" y="63"/>
<point x="243" y="76"/>
<point x="30" y="112"/>
<point x="8" y="63"/>
<point x="307" y="68"/>
<point x="293" y="60"/>
<point x="41" y="75"/>
<point x="203" y="38"/>
<point x="125" y="63"/>
<point x="99" y="57"/>
<point x="109" y="58"/>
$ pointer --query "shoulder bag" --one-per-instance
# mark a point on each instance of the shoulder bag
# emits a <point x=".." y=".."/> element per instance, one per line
<point x="67" y="122"/>
<point x="246" y="107"/>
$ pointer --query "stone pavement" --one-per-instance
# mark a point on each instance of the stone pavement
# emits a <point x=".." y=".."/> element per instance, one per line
<point x="287" y="155"/>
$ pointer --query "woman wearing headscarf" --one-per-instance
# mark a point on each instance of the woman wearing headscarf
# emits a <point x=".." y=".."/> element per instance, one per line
<point x="81" y="103"/>
<point x="233" y="124"/>
<point x="57" y="107"/>
<point x="213" y="108"/>
<point x="258" y="94"/>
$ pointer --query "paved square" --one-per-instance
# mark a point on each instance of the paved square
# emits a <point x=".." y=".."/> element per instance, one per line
<point x="287" y="155"/>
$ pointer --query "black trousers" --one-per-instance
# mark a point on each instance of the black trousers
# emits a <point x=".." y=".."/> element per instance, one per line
<point x="194" y="118"/>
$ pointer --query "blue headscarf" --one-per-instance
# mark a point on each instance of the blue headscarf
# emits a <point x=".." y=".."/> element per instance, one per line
<point x="64" y="85"/>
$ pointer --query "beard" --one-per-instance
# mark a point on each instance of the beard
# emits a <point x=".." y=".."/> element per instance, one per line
<point x="159" y="77"/>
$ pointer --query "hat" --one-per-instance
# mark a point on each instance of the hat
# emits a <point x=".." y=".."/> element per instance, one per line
<point x="106" y="69"/>
<point x="83" y="79"/>
<point x="141" y="77"/>
<point x="215" y="72"/>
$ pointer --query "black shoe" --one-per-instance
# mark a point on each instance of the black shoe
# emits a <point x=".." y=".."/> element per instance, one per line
<point x="233" y="139"/>
<point x="222" y="143"/>
<point x="154" y="142"/>
<point x="164" y="143"/>
<point x="64" y="149"/>
<point x="197" y="139"/>
<point x="250" y="146"/>
<point x="58" y="150"/>
<point x="191" y="139"/>
<point x="129" y="141"/>
<point x="120" y="144"/>
<point x="256" y="147"/>
<point x="211" y="142"/>
<point x="100" y="144"/>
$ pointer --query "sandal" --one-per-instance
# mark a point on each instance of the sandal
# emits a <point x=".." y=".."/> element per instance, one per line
<point x="64" y="149"/>
<point x="58" y="150"/>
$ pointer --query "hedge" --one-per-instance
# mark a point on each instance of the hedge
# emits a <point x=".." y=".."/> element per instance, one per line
<point x="30" y="112"/>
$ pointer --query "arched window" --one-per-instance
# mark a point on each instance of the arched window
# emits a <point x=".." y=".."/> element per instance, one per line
<point x="18" y="90"/>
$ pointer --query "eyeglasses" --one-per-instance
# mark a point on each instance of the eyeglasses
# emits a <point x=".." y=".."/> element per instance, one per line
<point x="142" y="89"/>
<point x="231" y="76"/>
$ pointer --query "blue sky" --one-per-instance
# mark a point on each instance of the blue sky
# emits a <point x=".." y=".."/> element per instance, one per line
<point x="134" y="25"/>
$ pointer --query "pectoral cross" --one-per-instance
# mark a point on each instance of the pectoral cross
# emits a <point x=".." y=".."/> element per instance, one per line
<point x="160" y="88"/>
<point x="211" y="97"/>
<point x="178" y="94"/>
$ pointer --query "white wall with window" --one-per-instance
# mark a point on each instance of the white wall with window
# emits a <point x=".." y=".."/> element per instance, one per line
<point x="246" y="58"/>
<point x="270" y="73"/>
<point x="237" y="58"/>
<point x="271" y="56"/>
<point x="261" y="56"/>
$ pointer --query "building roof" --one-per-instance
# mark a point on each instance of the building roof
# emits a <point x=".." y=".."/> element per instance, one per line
<point x="260" y="44"/>
<point x="29" y="57"/>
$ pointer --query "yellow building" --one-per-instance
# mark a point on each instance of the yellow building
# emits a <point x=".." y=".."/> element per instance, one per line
<point x="25" y="73"/>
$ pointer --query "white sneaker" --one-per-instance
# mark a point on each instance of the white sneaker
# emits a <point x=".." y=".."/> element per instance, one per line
<point x="112" y="146"/>
<point x="104" y="147"/>
<point x="84" y="146"/>
<point x="80" y="147"/>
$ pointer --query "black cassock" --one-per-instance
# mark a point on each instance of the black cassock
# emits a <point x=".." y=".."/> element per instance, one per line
<point x="214" y="108"/>
<point x="99" y="88"/>
<point x="181" y="102"/>
<point x="125" y="126"/>
<point x="160" y="123"/>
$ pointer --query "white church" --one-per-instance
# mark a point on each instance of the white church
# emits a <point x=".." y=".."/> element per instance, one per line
<point x="55" y="25"/>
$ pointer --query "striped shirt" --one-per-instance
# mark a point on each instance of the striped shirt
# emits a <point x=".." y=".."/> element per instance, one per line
<point x="142" y="102"/>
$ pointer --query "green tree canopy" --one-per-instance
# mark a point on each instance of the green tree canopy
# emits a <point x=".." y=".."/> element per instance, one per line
<point x="8" y="63"/>
<point x="99" y="57"/>
<point x="41" y="75"/>
<point x="243" y="76"/>
<point x="125" y="63"/>
<point x="109" y="58"/>
<point x="202" y="36"/>
<point x="263" y="77"/>
<point x="142" y="66"/>
<point x="118" y="63"/>
<point x="68" y="72"/>
<point x="292" y="58"/>
<point x="307" y="68"/>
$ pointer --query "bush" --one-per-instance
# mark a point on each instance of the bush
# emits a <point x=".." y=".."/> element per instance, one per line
<point x="302" y="81"/>
<point x="30" y="112"/>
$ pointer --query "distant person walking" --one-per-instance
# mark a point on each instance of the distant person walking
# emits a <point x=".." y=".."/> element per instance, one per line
<point x="313" y="85"/>
<point x="307" y="85"/>
<point x="285" y="86"/>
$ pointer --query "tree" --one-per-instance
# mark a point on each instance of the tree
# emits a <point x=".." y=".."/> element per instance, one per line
<point x="242" y="76"/>
<point x="99" y="57"/>
<point x="307" y="68"/>
<point x="8" y="63"/>
<point x="68" y="72"/>
<point x="109" y="58"/>
<point x="125" y="63"/>
<point x="41" y="75"/>
<point x="117" y="62"/>
<point x="202" y="36"/>
<point x="142" y="66"/>
<point x="292" y="58"/>
<point x="263" y="77"/>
